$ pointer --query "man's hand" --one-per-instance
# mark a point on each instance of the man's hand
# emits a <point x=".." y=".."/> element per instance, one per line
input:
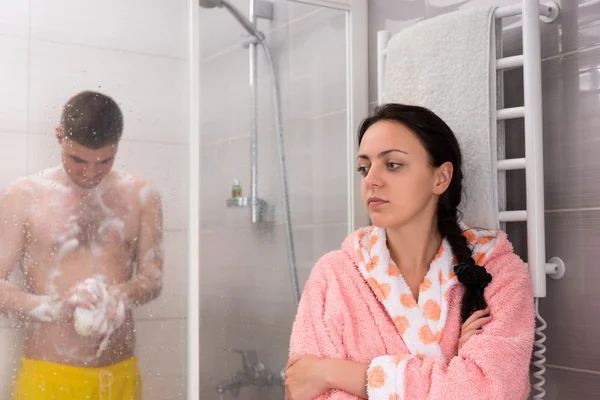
<point x="98" y="308"/>
<point x="78" y="297"/>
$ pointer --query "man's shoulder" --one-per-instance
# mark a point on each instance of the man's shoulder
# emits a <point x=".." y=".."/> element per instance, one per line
<point x="130" y="179"/>
<point x="21" y="187"/>
<point x="136" y="185"/>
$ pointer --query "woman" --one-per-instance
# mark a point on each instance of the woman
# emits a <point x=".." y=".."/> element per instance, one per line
<point x="418" y="306"/>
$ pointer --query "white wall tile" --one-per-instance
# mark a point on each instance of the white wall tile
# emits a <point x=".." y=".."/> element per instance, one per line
<point x="13" y="156"/>
<point x="244" y="278"/>
<point x="314" y="241"/>
<point x="14" y="18"/>
<point x="172" y="301"/>
<point x="316" y="145"/>
<point x="11" y="348"/>
<point x="151" y="27"/>
<point x="167" y="166"/>
<point x="151" y="91"/>
<point x="13" y="83"/>
<point x="318" y="63"/>
<point x="43" y="152"/>
<point x="162" y="354"/>
<point x="225" y="97"/>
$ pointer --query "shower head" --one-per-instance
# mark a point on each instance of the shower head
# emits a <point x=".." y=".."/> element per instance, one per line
<point x="210" y="3"/>
<point x="237" y="14"/>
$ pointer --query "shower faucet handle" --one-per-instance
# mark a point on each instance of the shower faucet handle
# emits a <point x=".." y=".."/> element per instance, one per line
<point x="249" y="357"/>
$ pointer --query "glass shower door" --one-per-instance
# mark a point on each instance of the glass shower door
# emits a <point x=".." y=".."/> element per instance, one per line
<point x="247" y="304"/>
<point x="72" y="217"/>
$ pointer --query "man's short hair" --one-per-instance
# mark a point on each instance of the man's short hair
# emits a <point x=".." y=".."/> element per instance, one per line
<point x="92" y="119"/>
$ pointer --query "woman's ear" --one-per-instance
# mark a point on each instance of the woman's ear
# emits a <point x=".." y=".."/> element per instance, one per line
<point x="443" y="177"/>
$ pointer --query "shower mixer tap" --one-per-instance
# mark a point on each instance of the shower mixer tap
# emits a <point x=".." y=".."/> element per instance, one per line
<point x="253" y="373"/>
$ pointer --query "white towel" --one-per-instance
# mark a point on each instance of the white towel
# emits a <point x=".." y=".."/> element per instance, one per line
<point x="445" y="64"/>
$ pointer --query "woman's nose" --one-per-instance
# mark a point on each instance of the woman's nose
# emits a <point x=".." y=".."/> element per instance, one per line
<point x="374" y="177"/>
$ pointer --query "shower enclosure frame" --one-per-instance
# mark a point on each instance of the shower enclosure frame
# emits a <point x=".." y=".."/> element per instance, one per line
<point x="357" y="105"/>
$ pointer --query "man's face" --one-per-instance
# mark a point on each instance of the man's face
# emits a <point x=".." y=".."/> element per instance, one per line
<point x="87" y="167"/>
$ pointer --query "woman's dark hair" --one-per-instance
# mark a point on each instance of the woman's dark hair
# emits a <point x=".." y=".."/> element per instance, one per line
<point x="441" y="144"/>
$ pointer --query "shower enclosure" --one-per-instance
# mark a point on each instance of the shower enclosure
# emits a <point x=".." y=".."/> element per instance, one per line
<point x="281" y="88"/>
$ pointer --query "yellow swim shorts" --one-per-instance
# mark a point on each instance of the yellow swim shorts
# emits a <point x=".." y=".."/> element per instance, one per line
<point x="41" y="380"/>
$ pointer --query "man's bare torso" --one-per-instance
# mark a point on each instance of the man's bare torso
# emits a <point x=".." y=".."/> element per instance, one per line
<point x="72" y="234"/>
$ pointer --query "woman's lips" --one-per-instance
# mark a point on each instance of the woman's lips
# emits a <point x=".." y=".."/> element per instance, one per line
<point x="375" y="202"/>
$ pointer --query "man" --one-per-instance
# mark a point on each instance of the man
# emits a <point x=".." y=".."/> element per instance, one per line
<point x="88" y="240"/>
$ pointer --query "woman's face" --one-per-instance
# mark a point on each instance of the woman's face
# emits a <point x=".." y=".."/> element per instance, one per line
<point x="399" y="183"/>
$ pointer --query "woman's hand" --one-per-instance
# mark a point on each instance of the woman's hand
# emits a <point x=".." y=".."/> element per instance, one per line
<point x="473" y="325"/>
<point x="305" y="378"/>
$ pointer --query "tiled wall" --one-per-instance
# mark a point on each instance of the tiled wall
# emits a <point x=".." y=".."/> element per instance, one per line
<point x="246" y="295"/>
<point x="136" y="52"/>
<point x="571" y="87"/>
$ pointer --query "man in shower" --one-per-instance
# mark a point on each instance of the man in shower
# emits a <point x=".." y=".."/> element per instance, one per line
<point x="88" y="240"/>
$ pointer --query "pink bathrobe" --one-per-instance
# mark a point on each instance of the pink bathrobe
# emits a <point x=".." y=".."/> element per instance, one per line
<point x="356" y="306"/>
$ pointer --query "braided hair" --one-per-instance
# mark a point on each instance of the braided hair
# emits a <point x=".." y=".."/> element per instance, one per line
<point x="442" y="146"/>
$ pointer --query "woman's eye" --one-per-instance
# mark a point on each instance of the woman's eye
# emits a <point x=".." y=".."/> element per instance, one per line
<point x="394" y="165"/>
<point x="362" y="170"/>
